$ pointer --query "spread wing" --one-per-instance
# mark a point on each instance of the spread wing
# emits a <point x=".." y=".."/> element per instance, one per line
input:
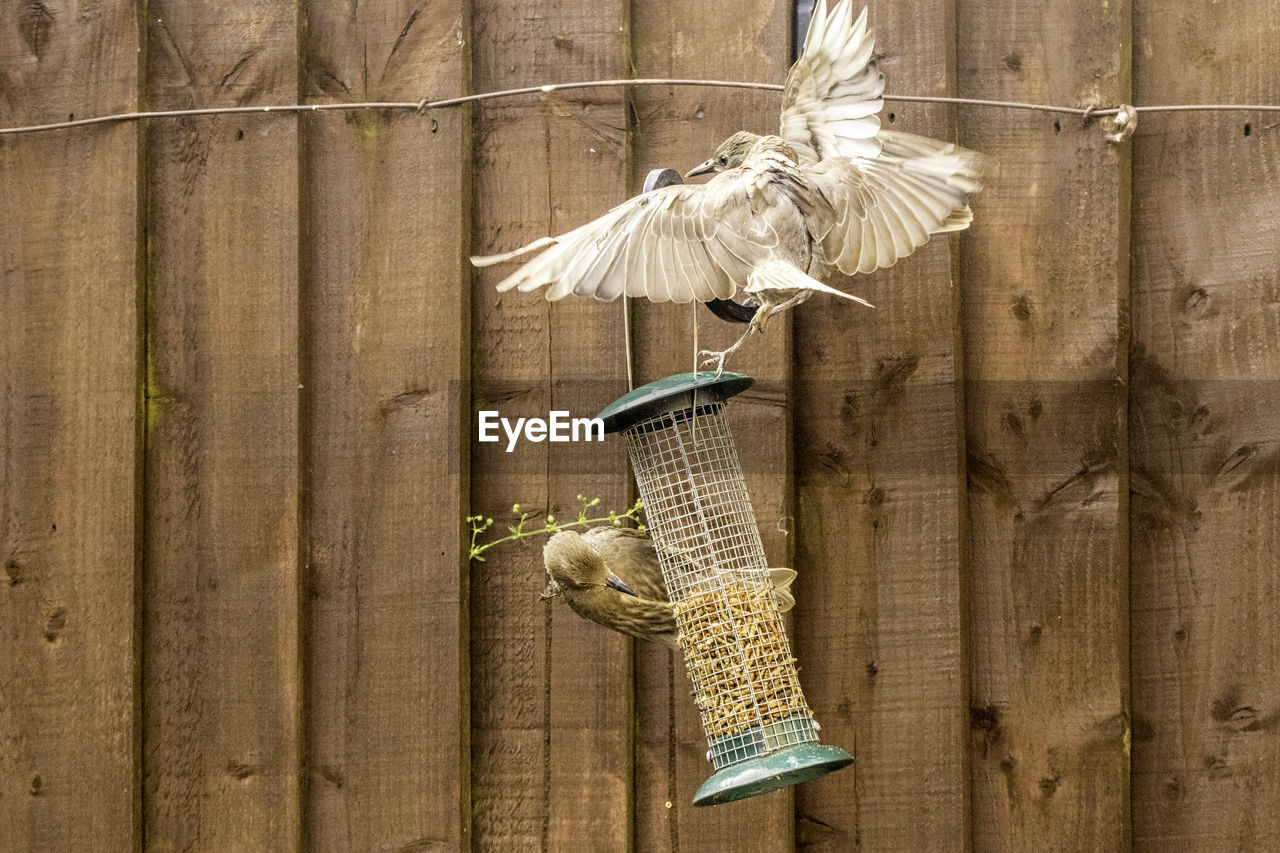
<point x="888" y="191"/>
<point x="832" y="96"/>
<point x="884" y="208"/>
<point x="674" y="244"/>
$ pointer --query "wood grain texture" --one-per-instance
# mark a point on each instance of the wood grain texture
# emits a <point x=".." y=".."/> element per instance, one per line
<point x="880" y="522"/>
<point x="1205" y="439"/>
<point x="679" y="128"/>
<point x="241" y="368"/>
<point x="385" y="336"/>
<point x="551" y="715"/>
<point x="222" y="711"/>
<point x="1044" y="301"/>
<point x="69" y="461"/>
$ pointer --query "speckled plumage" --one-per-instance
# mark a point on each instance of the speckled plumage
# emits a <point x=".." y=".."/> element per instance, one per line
<point x="581" y="566"/>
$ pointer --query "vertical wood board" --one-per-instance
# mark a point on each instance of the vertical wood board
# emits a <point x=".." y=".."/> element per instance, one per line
<point x="384" y="349"/>
<point x="1044" y="302"/>
<point x="551" y="693"/>
<point x="69" y="431"/>
<point x="1205" y="440"/>
<point x="880" y="521"/>
<point x="222" y="705"/>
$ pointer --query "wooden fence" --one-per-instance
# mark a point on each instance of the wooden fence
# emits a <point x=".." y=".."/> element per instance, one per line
<point x="1032" y="498"/>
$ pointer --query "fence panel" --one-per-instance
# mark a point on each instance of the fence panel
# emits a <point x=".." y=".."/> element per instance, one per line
<point x="1045" y="289"/>
<point x="1206" y="435"/>
<point x="222" y="707"/>
<point x="879" y="473"/>
<point x="243" y="356"/>
<point x="69" y="427"/>
<point x="551" y="693"/>
<point x="384" y="349"/>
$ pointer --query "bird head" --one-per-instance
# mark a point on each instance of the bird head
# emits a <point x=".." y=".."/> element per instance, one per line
<point x="729" y="154"/>
<point x="573" y="564"/>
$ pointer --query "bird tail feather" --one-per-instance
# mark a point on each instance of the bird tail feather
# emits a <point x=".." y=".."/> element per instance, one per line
<point x="780" y="275"/>
<point x="781" y="580"/>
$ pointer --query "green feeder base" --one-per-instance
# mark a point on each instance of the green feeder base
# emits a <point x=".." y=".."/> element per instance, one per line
<point x="789" y="766"/>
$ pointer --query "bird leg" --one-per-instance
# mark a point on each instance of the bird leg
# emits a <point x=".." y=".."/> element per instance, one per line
<point x="718" y="357"/>
<point x="762" y="315"/>
<point x="792" y="302"/>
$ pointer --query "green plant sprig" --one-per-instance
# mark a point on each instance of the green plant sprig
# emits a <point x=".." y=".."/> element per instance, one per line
<point x="480" y="524"/>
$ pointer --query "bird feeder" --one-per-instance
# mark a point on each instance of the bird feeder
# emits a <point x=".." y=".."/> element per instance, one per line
<point x="761" y="733"/>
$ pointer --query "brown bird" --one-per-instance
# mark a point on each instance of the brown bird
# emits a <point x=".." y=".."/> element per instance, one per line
<point x="611" y="576"/>
<point x="831" y="190"/>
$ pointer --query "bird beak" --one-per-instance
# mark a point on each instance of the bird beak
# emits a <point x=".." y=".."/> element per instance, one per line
<point x="709" y="166"/>
<point x="615" y="582"/>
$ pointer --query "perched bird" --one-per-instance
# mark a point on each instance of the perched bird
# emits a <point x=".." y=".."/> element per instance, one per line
<point x="832" y="189"/>
<point x="611" y="576"/>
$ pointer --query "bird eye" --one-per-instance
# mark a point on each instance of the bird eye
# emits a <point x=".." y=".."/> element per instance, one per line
<point x="724" y="161"/>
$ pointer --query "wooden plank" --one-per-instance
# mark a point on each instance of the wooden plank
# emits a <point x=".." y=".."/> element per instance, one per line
<point x="679" y="128"/>
<point x="1045" y="287"/>
<point x="69" y="429"/>
<point x="880" y="531"/>
<point x="1205" y="441"/>
<point x="551" y="723"/>
<point x="222" y="709"/>
<point x="386" y="325"/>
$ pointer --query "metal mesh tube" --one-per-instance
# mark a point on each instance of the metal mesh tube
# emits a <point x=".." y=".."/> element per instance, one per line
<point x="735" y="647"/>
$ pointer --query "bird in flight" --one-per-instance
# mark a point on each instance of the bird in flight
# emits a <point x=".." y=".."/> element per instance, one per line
<point x="832" y="189"/>
<point x="611" y="576"/>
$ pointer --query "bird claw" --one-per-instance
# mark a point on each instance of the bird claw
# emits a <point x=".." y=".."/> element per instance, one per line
<point x="716" y="357"/>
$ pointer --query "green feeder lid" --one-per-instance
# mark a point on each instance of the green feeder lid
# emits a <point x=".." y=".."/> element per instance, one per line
<point x="770" y="772"/>
<point x="671" y="394"/>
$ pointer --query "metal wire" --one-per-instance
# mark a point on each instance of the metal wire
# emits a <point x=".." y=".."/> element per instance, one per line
<point x="736" y="652"/>
<point x="427" y="104"/>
